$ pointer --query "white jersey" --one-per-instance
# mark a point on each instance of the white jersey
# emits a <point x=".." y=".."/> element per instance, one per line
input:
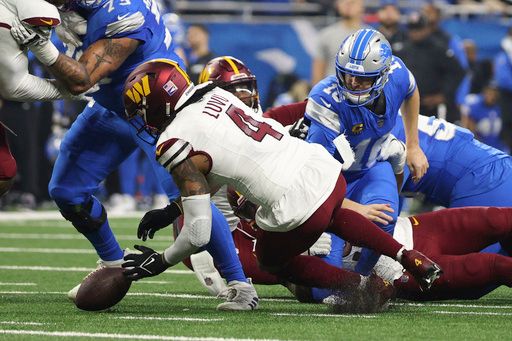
<point x="287" y="177"/>
<point x="387" y="268"/>
<point x="15" y="81"/>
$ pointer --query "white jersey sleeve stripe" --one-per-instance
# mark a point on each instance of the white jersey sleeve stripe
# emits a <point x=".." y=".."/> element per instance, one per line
<point x="125" y="23"/>
<point x="173" y="152"/>
<point x="323" y="115"/>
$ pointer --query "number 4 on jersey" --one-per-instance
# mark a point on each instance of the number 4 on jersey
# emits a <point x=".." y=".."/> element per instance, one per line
<point x="254" y="129"/>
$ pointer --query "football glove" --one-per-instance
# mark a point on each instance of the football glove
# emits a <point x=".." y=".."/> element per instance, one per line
<point x="29" y="36"/>
<point x="155" y="220"/>
<point x="299" y="129"/>
<point x="322" y="246"/>
<point x="149" y="263"/>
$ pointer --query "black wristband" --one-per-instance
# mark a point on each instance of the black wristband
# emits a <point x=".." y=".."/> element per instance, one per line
<point x="173" y="211"/>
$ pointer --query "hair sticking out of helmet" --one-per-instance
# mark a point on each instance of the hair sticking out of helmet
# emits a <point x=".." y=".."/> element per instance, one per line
<point x="362" y="66"/>
<point x="152" y="94"/>
<point x="232" y="75"/>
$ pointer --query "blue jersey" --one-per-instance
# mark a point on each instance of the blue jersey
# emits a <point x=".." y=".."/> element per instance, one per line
<point x="452" y="153"/>
<point x="331" y="117"/>
<point x="135" y="19"/>
<point x="487" y="119"/>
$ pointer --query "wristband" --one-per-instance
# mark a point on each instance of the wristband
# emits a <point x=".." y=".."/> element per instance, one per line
<point x="47" y="53"/>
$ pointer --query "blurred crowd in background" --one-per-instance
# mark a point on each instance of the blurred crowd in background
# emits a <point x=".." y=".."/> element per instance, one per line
<point x="463" y="80"/>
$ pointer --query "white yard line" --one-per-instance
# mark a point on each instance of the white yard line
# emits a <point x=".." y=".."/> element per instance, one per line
<point x="23" y="323"/>
<point x="153" y="282"/>
<point x="18" y="284"/>
<point x="324" y="315"/>
<point x="122" y="336"/>
<point x="454" y="305"/>
<point x="55" y="215"/>
<point x="480" y="313"/>
<point x="74" y="269"/>
<point x="68" y="236"/>
<point x="155" y="318"/>
<point x="45" y="250"/>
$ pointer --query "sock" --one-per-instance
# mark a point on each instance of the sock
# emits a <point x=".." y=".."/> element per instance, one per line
<point x="103" y="239"/>
<point x="222" y="249"/>
<point x="358" y="230"/>
<point x="311" y="271"/>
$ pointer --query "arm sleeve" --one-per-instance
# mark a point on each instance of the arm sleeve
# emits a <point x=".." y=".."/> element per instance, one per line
<point x="287" y="114"/>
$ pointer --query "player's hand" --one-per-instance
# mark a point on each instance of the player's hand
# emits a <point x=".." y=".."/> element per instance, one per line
<point x="322" y="246"/>
<point x="299" y="129"/>
<point x="149" y="263"/>
<point x="155" y="220"/>
<point x="417" y="162"/>
<point x="29" y="36"/>
<point x="376" y="213"/>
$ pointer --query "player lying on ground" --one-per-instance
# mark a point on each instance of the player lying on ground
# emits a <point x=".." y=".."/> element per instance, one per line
<point x="208" y="137"/>
<point x="451" y="237"/>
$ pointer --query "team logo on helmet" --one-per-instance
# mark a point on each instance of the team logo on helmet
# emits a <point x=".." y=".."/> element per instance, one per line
<point x="139" y="90"/>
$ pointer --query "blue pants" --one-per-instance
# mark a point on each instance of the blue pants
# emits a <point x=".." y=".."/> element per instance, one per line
<point x="376" y="186"/>
<point x="96" y="144"/>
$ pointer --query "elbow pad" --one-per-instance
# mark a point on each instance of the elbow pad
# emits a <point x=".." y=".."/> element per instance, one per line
<point x="197" y="217"/>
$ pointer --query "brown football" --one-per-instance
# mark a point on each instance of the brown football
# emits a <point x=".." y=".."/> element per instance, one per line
<point x="102" y="289"/>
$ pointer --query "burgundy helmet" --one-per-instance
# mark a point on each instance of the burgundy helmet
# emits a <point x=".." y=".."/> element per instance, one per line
<point x="232" y="75"/>
<point x="151" y="93"/>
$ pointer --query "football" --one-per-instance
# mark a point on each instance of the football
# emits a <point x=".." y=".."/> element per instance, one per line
<point x="102" y="289"/>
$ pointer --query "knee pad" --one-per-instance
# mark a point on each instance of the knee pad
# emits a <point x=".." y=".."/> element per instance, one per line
<point x="80" y="217"/>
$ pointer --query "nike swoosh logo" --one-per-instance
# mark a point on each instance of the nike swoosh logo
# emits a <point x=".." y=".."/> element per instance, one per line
<point x="325" y="103"/>
<point x="47" y="22"/>
<point x="151" y="260"/>
<point x="121" y="17"/>
<point x="415" y="221"/>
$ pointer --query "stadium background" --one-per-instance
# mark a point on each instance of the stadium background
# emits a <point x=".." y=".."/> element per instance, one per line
<point x="276" y="39"/>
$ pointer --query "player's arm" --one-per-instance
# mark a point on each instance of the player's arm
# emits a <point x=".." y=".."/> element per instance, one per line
<point x="416" y="159"/>
<point x="373" y="212"/>
<point x="98" y="61"/>
<point x="188" y="174"/>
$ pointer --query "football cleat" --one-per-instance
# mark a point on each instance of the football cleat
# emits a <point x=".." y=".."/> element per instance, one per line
<point x="239" y="296"/>
<point x="424" y="270"/>
<point x="99" y="264"/>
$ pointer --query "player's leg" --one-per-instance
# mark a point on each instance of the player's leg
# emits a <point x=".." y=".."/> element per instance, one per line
<point x="7" y="163"/>
<point x="377" y="186"/>
<point x="460" y="231"/>
<point x="97" y="142"/>
<point x="335" y="258"/>
<point x="468" y="276"/>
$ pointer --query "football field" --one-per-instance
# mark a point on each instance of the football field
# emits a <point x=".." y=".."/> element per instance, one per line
<point x="42" y="259"/>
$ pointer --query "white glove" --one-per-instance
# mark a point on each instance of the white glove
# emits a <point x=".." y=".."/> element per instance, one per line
<point x="347" y="154"/>
<point x="394" y="151"/>
<point x="37" y="39"/>
<point x="322" y="246"/>
<point x="29" y="36"/>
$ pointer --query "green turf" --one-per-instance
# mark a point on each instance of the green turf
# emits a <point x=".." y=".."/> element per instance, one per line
<point x="47" y="308"/>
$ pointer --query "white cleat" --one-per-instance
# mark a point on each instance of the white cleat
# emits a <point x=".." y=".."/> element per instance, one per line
<point x="100" y="264"/>
<point x="239" y="296"/>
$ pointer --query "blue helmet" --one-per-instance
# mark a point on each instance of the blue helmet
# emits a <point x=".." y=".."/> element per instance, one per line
<point x="365" y="53"/>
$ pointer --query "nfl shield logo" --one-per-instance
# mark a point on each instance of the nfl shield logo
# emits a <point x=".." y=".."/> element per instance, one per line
<point x="170" y="88"/>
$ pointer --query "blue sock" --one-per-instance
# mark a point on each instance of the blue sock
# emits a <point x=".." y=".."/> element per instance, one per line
<point x="103" y="239"/>
<point x="222" y="249"/>
<point x="335" y="258"/>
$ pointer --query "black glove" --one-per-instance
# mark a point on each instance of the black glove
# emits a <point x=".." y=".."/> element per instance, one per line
<point x="155" y="220"/>
<point x="300" y="129"/>
<point x="148" y="264"/>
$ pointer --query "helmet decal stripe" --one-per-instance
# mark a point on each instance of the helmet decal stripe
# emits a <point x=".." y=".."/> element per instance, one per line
<point x="168" y="61"/>
<point x="360" y="45"/>
<point x="233" y="65"/>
